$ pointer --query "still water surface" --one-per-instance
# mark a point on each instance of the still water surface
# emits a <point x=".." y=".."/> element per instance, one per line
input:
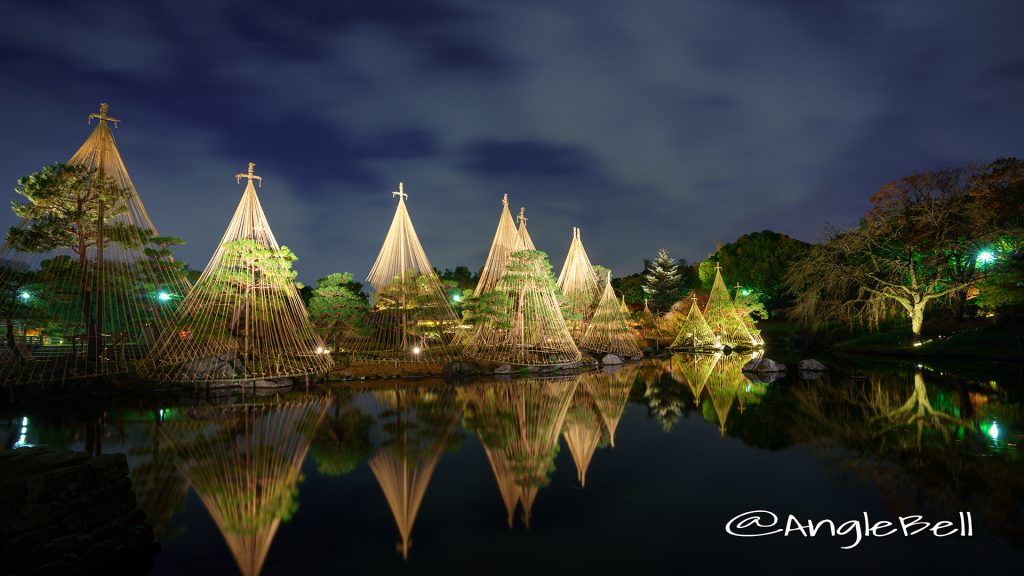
<point x="635" y="470"/>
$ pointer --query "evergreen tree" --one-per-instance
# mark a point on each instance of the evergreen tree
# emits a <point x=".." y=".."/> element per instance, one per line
<point x="663" y="281"/>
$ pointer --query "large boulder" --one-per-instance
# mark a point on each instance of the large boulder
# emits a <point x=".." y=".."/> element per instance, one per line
<point x="811" y="366"/>
<point x="610" y="359"/>
<point x="763" y="366"/>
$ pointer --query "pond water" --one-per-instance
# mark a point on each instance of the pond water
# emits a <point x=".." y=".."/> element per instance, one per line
<point x="637" y="470"/>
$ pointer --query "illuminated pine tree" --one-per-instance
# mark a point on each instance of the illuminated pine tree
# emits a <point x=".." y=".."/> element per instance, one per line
<point x="663" y="281"/>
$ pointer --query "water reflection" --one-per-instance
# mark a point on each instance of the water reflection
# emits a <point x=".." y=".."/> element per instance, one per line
<point x="518" y="422"/>
<point x="415" y="427"/>
<point x="924" y="442"/>
<point x="243" y="462"/>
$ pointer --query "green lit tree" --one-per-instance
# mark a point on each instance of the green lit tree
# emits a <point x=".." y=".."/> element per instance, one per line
<point x="758" y="261"/>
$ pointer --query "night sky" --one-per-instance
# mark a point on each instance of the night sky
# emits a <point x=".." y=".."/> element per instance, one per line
<point x="650" y="125"/>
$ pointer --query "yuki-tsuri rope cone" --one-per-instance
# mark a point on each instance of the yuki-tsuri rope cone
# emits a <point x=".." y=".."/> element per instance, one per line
<point x="748" y="320"/>
<point x="518" y="423"/>
<point x="525" y="241"/>
<point x="244" y="318"/>
<point x="417" y="426"/>
<point x="410" y="318"/>
<point x="244" y="462"/>
<point x="87" y="282"/>
<point x="523" y="323"/>
<point x="695" y="333"/>
<point x="583" y="430"/>
<point x="579" y="285"/>
<point x="650" y="328"/>
<point x="506" y="241"/>
<point x="723" y="318"/>
<point x="608" y="331"/>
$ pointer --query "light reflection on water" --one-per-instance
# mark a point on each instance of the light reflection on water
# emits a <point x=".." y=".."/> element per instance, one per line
<point x="913" y="440"/>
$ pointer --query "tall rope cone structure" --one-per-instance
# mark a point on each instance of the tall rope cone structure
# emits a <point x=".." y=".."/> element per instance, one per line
<point x="695" y="333"/>
<point x="519" y="423"/>
<point x="583" y="429"/>
<point x="526" y="327"/>
<point x="525" y="241"/>
<point x="722" y="317"/>
<point x="410" y="319"/>
<point x="608" y="331"/>
<point x="244" y="462"/>
<point x="578" y="283"/>
<point x="748" y="320"/>
<point x="92" y="299"/>
<point x="506" y="241"/>
<point x="417" y="426"/>
<point x="244" y="318"/>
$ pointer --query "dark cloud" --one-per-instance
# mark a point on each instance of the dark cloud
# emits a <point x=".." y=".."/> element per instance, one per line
<point x="653" y="124"/>
<point x="527" y="158"/>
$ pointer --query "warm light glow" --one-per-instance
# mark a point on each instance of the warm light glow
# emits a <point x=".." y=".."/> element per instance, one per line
<point x="415" y="349"/>
<point x="986" y="257"/>
<point x="163" y="296"/>
<point x="319" y="349"/>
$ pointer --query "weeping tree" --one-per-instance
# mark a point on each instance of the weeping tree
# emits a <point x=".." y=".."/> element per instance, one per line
<point x="919" y="245"/>
<point x="68" y="207"/>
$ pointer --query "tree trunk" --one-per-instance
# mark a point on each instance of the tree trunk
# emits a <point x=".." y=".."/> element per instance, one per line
<point x="917" y="319"/>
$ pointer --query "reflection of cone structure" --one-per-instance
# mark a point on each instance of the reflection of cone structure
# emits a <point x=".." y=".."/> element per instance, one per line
<point x="694" y="332"/>
<point x="579" y="286"/>
<point x="748" y="320"/>
<point x="611" y="393"/>
<point x="694" y="369"/>
<point x="582" y="430"/>
<point x="244" y="464"/>
<point x="418" y="425"/>
<point x="722" y="317"/>
<point x="411" y="319"/>
<point x="244" y="318"/>
<point x="527" y="328"/>
<point x="525" y="241"/>
<point x="73" y="314"/>
<point x="518" y="423"/>
<point x="160" y="489"/>
<point x="506" y="241"/>
<point x="723" y="384"/>
<point x="608" y="330"/>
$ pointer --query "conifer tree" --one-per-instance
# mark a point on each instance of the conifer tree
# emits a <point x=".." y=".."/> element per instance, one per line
<point x="663" y="281"/>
